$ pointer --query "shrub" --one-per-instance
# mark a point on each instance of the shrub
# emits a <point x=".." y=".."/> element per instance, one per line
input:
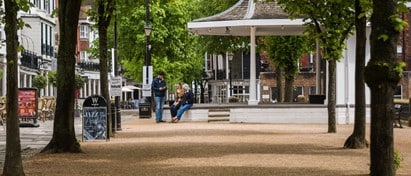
<point x="39" y="81"/>
<point x="52" y="77"/>
<point x="78" y="84"/>
<point x="397" y="160"/>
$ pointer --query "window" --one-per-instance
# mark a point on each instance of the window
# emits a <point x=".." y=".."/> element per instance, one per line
<point x="51" y="48"/>
<point x="83" y="55"/>
<point x="398" y="92"/>
<point x="43" y="40"/>
<point x="37" y="3"/>
<point x="47" y="6"/>
<point x="312" y="90"/>
<point x="84" y="31"/>
<point x="297" y="91"/>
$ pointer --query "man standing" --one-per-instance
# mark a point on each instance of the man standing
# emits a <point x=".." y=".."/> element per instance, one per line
<point x="159" y="87"/>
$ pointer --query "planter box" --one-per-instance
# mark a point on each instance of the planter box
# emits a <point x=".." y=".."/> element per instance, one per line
<point x="316" y="99"/>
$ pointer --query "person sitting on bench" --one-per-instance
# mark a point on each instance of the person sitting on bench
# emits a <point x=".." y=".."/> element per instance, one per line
<point x="178" y="97"/>
<point x="186" y="103"/>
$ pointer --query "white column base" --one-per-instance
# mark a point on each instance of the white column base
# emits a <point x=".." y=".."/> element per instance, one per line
<point x="252" y="102"/>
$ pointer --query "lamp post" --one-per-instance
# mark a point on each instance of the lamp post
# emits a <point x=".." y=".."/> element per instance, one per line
<point x="147" y="31"/>
<point x="230" y="59"/>
<point x="147" y="68"/>
<point x="116" y="115"/>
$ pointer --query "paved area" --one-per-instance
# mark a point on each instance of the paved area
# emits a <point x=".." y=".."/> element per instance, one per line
<point x="35" y="138"/>
<point x="197" y="148"/>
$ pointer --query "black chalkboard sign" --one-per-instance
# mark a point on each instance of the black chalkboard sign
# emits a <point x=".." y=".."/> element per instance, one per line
<point x="95" y="118"/>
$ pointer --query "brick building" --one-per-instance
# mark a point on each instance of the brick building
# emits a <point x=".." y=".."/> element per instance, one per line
<point x="404" y="55"/>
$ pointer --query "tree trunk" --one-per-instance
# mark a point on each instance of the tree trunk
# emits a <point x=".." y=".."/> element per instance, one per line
<point x="279" y="78"/>
<point x="13" y="164"/>
<point x="357" y="138"/>
<point x="332" y="128"/>
<point x="64" y="137"/>
<point x="102" y="32"/>
<point x="289" y="89"/>
<point x="105" y="9"/>
<point x="382" y="76"/>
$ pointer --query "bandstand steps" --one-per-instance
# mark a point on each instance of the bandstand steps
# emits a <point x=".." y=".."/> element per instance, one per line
<point x="218" y="115"/>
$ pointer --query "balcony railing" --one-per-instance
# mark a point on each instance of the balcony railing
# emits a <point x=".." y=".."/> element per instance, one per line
<point x="88" y="66"/>
<point x="30" y="59"/>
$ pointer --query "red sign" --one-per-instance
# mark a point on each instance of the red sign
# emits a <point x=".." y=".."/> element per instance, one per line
<point x="27" y="103"/>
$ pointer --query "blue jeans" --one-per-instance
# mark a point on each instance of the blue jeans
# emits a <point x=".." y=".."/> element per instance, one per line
<point x="182" y="109"/>
<point x="159" y="108"/>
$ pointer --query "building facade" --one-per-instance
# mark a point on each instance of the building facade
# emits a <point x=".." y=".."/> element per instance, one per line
<point x="39" y="42"/>
<point x="87" y="65"/>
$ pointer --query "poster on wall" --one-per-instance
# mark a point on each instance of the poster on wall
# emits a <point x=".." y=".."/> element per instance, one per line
<point x="27" y="107"/>
<point x="95" y="118"/>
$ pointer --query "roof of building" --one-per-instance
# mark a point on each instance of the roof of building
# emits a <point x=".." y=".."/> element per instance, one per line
<point x="83" y="11"/>
<point x="268" y="18"/>
<point x="247" y="9"/>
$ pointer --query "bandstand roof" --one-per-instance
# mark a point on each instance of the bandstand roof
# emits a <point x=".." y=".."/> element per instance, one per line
<point x="267" y="17"/>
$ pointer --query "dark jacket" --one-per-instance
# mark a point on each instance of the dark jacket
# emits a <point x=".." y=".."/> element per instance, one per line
<point x="155" y="86"/>
<point x="188" y="98"/>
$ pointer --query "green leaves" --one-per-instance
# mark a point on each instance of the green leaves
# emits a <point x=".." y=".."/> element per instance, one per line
<point x="39" y="81"/>
<point x="173" y="50"/>
<point x="383" y="37"/>
<point x="80" y="81"/>
<point x="399" y="68"/>
<point x="52" y="75"/>
<point x="24" y="5"/>
<point x="286" y="51"/>
<point x="330" y="21"/>
<point x="398" y="23"/>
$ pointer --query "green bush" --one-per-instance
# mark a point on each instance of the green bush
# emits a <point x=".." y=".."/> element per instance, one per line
<point x="39" y="81"/>
<point x="52" y="77"/>
<point x="397" y="160"/>
<point x="78" y="84"/>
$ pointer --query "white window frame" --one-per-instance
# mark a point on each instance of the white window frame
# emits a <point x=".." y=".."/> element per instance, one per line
<point x="84" y="31"/>
<point x="37" y="4"/>
<point x="83" y="55"/>
<point x="398" y="95"/>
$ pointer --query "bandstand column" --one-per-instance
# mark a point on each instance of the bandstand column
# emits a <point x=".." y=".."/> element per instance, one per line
<point x="253" y="88"/>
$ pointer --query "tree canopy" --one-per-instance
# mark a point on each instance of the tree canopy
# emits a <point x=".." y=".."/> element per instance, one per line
<point x="173" y="50"/>
<point x="285" y="52"/>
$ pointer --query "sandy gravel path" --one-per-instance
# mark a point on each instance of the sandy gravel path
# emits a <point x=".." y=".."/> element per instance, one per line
<point x="146" y="148"/>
